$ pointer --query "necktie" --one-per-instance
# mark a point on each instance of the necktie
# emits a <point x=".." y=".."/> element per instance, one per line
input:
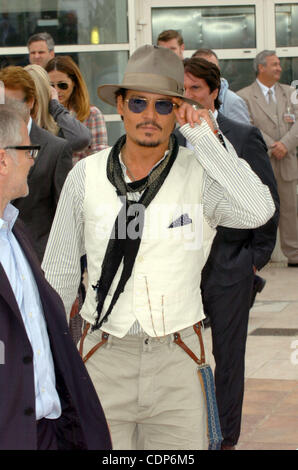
<point x="271" y="103"/>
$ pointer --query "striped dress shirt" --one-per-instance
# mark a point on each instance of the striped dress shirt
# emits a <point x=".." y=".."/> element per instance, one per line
<point x="233" y="196"/>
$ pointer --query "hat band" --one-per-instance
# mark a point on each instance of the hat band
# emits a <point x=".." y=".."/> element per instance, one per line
<point x="152" y="81"/>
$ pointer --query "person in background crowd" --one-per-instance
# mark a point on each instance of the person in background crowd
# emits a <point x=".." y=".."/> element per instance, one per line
<point x="52" y="165"/>
<point x="228" y="276"/>
<point x="48" y="401"/>
<point x="144" y="267"/>
<point x="41" y="48"/>
<point x="49" y="114"/>
<point x="231" y="105"/>
<point x="273" y="109"/>
<point x="173" y="40"/>
<point x="66" y="77"/>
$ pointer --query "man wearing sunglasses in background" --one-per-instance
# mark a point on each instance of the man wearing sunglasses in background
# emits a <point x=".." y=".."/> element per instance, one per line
<point x="145" y="212"/>
<point x="47" y="401"/>
<point x="52" y="165"/>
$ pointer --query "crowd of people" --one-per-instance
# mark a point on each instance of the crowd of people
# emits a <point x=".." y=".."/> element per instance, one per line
<point x="170" y="226"/>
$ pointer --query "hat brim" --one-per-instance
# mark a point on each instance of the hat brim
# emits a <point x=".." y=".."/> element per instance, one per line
<point x="107" y="93"/>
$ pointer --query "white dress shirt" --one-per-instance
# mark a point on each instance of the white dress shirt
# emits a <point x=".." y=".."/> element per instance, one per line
<point x="23" y="285"/>
<point x="265" y="91"/>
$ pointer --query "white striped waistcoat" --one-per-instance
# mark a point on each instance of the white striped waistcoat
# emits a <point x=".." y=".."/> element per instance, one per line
<point x="163" y="292"/>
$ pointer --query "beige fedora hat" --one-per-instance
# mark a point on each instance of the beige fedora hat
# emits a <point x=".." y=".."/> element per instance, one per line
<point x="151" y="69"/>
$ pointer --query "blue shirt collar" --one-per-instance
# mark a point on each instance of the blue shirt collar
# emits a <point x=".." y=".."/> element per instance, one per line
<point x="9" y="216"/>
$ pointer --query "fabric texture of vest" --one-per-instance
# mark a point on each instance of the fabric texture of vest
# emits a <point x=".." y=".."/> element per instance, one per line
<point x="163" y="293"/>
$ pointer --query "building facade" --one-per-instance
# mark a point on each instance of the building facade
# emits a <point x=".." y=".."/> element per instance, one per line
<point x="101" y="34"/>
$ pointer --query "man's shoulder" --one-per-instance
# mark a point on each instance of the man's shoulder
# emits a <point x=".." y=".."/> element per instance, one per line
<point x="45" y="136"/>
<point x="225" y="124"/>
<point x="287" y="89"/>
<point x="231" y="96"/>
<point x="246" y="90"/>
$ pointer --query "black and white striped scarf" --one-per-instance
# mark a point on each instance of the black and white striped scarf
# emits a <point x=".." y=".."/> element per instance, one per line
<point x="126" y="247"/>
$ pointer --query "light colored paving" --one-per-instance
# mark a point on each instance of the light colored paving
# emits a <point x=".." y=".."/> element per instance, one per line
<point x="270" y="409"/>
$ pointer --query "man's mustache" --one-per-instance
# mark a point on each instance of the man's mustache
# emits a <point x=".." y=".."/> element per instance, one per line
<point x="150" y="123"/>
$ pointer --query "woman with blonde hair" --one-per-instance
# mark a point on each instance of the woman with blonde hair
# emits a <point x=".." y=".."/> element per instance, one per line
<point x="49" y="114"/>
<point x="73" y="94"/>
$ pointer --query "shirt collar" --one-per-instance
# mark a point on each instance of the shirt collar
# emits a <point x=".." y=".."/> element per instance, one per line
<point x="9" y="216"/>
<point x="122" y="164"/>
<point x="264" y="88"/>
<point x="29" y="125"/>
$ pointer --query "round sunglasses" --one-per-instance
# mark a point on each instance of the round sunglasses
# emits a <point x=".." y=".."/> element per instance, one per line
<point x="138" y="105"/>
<point x="61" y="85"/>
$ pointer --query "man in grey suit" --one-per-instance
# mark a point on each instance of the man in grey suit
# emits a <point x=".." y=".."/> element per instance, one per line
<point x="273" y="109"/>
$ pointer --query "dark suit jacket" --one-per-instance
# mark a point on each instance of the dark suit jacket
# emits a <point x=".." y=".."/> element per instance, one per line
<point x="82" y="424"/>
<point x="45" y="181"/>
<point x="235" y="251"/>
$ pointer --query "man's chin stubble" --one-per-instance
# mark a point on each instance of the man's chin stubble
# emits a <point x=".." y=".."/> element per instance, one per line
<point x="143" y="143"/>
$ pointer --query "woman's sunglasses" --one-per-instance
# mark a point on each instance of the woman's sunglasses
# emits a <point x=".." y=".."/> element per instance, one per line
<point x="138" y="105"/>
<point x="61" y="85"/>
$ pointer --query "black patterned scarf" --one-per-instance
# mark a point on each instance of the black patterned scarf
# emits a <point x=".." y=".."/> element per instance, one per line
<point x="128" y="227"/>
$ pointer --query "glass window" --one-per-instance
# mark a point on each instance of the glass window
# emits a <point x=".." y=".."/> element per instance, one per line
<point x="68" y="21"/>
<point x="286" y="24"/>
<point x="227" y="27"/>
<point x="98" y="68"/>
<point x="289" y="69"/>
<point x="115" y="129"/>
<point x="238" y="72"/>
<point x="6" y="60"/>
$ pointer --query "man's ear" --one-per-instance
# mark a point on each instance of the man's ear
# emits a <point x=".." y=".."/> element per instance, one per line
<point x="215" y="93"/>
<point x="3" y="163"/>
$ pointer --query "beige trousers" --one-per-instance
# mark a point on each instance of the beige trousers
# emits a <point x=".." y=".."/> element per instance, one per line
<point x="150" y="391"/>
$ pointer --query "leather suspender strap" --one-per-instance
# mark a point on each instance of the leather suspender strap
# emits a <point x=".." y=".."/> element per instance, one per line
<point x="83" y="338"/>
<point x="179" y="342"/>
<point x="198" y="330"/>
<point x="104" y="339"/>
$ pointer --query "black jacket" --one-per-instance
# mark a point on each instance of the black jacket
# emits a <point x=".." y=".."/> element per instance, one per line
<point x="82" y="424"/>
<point x="45" y="181"/>
<point x="235" y="251"/>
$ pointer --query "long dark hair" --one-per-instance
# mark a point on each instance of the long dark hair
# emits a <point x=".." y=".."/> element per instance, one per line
<point x="79" y="100"/>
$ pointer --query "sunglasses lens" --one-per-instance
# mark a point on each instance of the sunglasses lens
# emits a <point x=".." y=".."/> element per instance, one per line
<point x="164" y="106"/>
<point x="137" y="105"/>
<point x="62" y="86"/>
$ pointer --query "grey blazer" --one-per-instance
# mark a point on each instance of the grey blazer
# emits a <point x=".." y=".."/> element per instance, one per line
<point x="45" y="180"/>
<point x="275" y="129"/>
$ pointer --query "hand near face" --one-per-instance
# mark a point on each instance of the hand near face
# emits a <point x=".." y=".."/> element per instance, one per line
<point x="188" y="114"/>
<point x="54" y="94"/>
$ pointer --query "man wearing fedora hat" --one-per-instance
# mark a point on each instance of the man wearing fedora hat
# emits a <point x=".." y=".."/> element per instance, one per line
<point x="145" y="212"/>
